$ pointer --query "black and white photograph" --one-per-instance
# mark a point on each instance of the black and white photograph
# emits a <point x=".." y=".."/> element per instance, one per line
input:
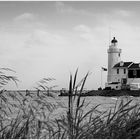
<point x="69" y="69"/>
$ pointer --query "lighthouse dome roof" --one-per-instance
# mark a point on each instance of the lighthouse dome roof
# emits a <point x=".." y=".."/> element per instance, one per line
<point x="114" y="40"/>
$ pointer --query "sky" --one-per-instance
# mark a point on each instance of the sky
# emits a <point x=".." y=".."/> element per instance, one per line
<point x="54" y="38"/>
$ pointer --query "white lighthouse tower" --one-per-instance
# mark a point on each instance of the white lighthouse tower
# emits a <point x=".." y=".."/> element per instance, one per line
<point x="114" y="56"/>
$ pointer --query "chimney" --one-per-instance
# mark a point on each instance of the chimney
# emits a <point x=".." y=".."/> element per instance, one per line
<point x="121" y="63"/>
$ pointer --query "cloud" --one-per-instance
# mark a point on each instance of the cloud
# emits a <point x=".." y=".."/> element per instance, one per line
<point x="25" y="23"/>
<point x="66" y="9"/>
<point x="45" y="38"/>
<point x="25" y="17"/>
<point x="59" y="6"/>
<point x="82" y="28"/>
<point x="123" y="13"/>
<point x="85" y="32"/>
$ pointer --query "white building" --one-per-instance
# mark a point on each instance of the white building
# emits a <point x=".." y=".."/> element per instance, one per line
<point x="121" y="74"/>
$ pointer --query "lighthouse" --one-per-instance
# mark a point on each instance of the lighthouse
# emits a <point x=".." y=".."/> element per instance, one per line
<point x="114" y="57"/>
<point x="121" y="75"/>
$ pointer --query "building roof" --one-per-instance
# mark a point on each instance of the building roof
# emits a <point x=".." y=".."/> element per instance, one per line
<point x="113" y="83"/>
<point x="134" y="66"/>
<point x="124" y="64"/>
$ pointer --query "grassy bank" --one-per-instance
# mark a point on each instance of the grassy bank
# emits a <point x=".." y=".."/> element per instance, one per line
<point x="30" y="115"/>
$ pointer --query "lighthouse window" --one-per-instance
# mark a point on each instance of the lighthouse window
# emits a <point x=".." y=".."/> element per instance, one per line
<point x="117" y="71"/>
<point x="124" y="71"/>
<point x="119" y="54"/>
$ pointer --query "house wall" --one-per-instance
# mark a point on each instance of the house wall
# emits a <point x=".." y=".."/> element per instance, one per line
<point x="118" y="77"/>
<point x="133" y="80"/>
<point x="113" y="86"/>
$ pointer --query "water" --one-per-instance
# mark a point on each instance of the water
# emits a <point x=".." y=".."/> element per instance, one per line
<point x="105" y="102"/>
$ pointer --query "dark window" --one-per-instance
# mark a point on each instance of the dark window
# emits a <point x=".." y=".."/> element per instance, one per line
<point x="135" y="73"/>
<point x="119" y="54"/>
<point x="124" y="71"/>
<point x="138" y="73"/>
<point x="124" y="81"/>
<point x="130" y="74"/>
<point x="117" y="71"/>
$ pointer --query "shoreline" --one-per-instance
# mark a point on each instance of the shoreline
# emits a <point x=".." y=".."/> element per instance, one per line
<point x="108" y="93"/>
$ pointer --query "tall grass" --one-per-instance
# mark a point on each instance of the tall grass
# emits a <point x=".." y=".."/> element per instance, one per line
<point x="23" y="113"/>
<point x="121" y="121"/>
<point x="30" y="115"/>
